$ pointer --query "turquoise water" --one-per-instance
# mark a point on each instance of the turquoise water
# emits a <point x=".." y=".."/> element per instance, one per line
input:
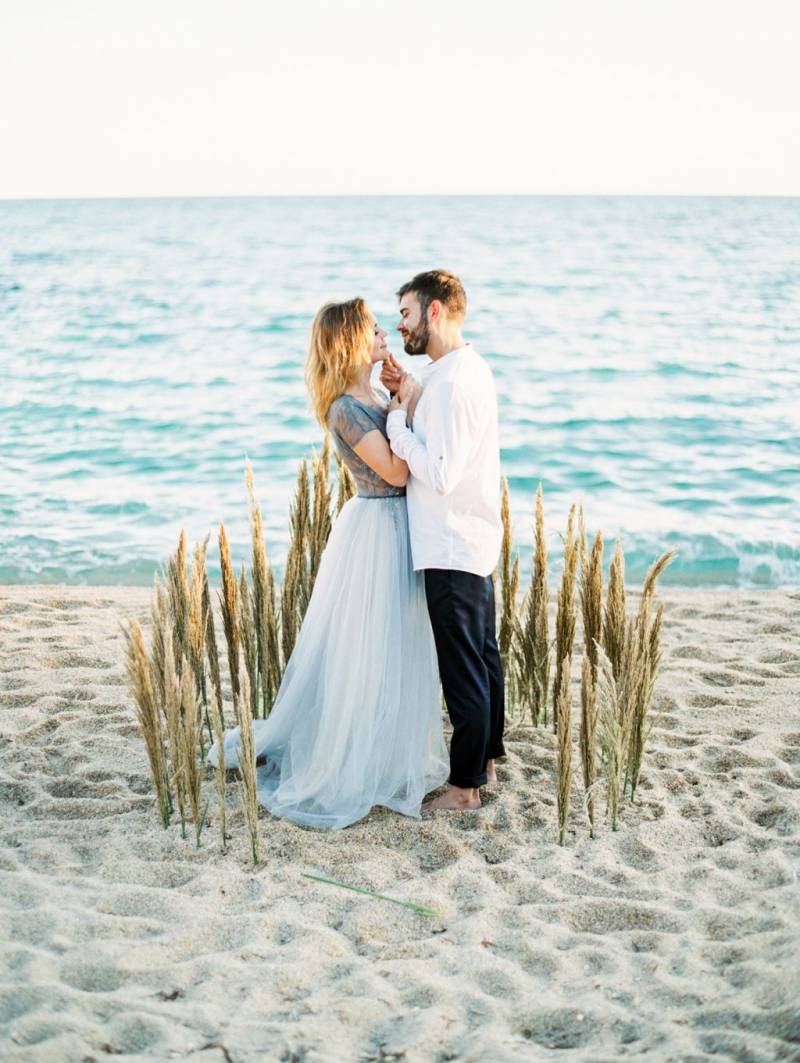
<point x="646" y="353"/>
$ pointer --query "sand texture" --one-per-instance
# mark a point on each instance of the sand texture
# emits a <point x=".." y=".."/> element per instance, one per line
<point x="678" y="937"/>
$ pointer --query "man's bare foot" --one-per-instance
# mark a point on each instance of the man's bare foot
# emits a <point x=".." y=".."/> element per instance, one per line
<point x="491" y="771"/>
<point x="456" y="799"/>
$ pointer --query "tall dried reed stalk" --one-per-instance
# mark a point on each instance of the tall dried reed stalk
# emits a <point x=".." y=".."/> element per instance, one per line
<point x="162" y="623"/>
<point x="583" y="557"/>
<point x="540" y="632"/>
<point x="264" y="606"/>
<point x="212" y="653"/>
<point x="643" y="658"/>
<point x="345" y="484"/>
<point x="247" y="764"/>
<point x="531" y="641"/>
<point x="588" y="735"/>
<point x="295" y="594"/>
<point x="509" y="583"/>
<point x="249" y="642"/>
<point x="611" y="732"/>
<point x="178" y="584"/>
<point x="229" y="603"/>
<point x="565" y="611"/>
<point x="190" y="742"/>
<point x="321" y="514"/>
<point x="219" y="738"/>
<point x="563" y="720"/>
<point x="140" y="677"/>
<point x="198" y="628"/>
<point x="592" y="597"/>
<point x="174" y="721"/>
<point x="614" y="618"/>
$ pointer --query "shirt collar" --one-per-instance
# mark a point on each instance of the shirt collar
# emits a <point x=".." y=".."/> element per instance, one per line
<point x="431" y="367"/>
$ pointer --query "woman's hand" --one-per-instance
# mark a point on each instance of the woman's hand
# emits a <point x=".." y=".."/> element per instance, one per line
<point x="392" y="375"/>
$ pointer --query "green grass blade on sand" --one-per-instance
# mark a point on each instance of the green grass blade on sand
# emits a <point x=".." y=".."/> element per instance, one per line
<point x="420" y="909"/>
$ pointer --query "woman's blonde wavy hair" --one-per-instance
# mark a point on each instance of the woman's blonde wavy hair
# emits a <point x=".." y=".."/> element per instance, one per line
<point x="338" y="352"/>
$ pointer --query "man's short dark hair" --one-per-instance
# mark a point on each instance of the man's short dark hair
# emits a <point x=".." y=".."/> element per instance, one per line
<point x="441" y="285"/>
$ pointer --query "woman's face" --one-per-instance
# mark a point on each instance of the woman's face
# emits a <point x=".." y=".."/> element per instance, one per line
<point x="379" y="349"/>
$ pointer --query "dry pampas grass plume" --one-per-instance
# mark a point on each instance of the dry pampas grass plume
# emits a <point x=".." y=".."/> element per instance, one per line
<point x="345" y="484"/>
<point x="178" y="586"/>
<point x="140" y="677"/>
<point x="295" y="593"/>
<point x="563" y="721"/>
<point x="611" y="733"/>
<point x="212" y="651"/>
<point x="190" y="743"/>
<point x="247" y="765"/>
<point x="643" y="658"/>
<point x="219" y="772"/>
<point x="591" y="595"/>
<point x="588" y="736"/>
<point x="161" y="620"/>
<point x="198" y="627"/>
<point x="540" y="633"/>
<point x="321" y="514"/>
<point x="249" y="644"/>
<point x="229" y="603"/>
<point x="565" y="610"/>
<point x="614" y="617"/>
<point x="509" y="583"/>
<point x="174" y="721"/>
<point x="531" y="639"/>
<point x="264" y="605"/>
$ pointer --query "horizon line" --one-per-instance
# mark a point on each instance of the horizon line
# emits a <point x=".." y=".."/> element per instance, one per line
<point x="89" y="197"/>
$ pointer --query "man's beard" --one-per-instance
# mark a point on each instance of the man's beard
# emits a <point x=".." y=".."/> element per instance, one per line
<point x="417" y="342"/>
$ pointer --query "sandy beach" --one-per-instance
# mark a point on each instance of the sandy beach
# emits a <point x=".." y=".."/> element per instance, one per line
<point x="676" y="937"/>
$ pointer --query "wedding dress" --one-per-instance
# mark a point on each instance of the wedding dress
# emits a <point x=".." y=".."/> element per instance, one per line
<point x="357" y="720"/>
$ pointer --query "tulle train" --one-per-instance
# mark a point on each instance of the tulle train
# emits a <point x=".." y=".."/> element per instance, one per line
<point x="357" y="720"/>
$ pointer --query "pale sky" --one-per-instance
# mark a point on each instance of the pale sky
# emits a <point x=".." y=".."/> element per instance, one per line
<point x="189" y="97"/>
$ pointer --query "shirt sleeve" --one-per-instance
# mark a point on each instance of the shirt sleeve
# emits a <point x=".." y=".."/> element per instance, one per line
<point x="442" y="460"/>
<point x="350" y="421"/>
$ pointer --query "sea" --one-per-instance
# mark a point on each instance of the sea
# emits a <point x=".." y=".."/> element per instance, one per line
<point x="646" y="355"/>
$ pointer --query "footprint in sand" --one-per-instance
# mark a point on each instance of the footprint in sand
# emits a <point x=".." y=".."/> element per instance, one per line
<point x="704" y="701"/>
<point x="92" y="977"/>
<point x="611" y="917"/>
<point x="785" y="778"/>
<point x="17" y="701"/>
<point x="678" y="741"/>
<point x="560" y="1027"/>
<point x="14" y="682"/>
<point x="76" y="694"/>
<point x="696" y="653"/>
<point x="744" y="734"/>
<point x="719" y="679"/>
<point x="77" y="660"/>
<point x="13" y="608"/>
<point x="777" y="817"/>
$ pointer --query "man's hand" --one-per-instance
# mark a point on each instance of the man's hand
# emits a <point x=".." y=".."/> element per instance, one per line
<point x="392" y="375"/>
<point x="395" y="404"/>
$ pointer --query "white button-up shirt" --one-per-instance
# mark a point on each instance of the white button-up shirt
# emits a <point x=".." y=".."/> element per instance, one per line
<point x="453" y="456"/>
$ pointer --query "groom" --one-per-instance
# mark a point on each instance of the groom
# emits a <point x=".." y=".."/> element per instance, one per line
<point x="454" y="518"/>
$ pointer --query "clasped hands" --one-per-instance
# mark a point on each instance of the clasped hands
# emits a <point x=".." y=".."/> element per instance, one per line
<point x="404" y="388"/>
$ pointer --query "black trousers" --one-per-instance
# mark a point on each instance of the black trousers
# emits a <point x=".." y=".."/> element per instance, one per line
<point x="461" y="608"/>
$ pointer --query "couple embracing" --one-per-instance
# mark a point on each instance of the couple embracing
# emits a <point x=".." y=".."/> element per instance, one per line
<point x="404" y="596"/>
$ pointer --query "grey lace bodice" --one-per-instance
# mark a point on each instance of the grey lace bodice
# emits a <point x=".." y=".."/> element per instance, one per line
<point x="349" y="420"/>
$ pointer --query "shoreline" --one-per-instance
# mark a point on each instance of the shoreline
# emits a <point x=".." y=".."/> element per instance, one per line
<point x="675" y="935"/>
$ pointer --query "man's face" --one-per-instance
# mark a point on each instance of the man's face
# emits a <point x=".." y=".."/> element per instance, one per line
<point x="413" y="326"/>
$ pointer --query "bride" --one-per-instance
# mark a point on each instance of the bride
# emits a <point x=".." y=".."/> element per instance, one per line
<point x="357" y="719"/>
